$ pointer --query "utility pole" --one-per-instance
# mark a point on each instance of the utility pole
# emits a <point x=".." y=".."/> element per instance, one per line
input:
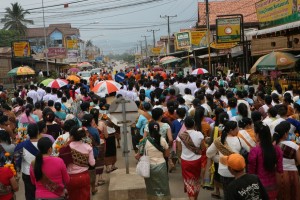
<point x="153" y="33"/>
<point x="45" y="40"/>
<point x="141" y="44"/>
<point x="146" y="48"/>
<point x="208" y="34"/>
<point x="169" y="31"/>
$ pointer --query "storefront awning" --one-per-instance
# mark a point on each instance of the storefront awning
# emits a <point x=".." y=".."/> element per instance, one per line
<point x="273" y="29"/>
<point x="211" y="55"/>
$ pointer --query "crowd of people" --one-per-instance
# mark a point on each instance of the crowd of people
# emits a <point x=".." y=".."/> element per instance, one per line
<point x="242" y="140"/>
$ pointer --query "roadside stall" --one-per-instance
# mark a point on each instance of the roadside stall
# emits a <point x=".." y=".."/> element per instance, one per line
<point x="276" y="67"/>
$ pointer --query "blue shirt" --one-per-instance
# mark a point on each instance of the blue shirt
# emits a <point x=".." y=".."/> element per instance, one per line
<point x="142" y="121"/>
<point x="176" y="126"/>
<point x="147" y="93"/>
<point x="95" y="134"/>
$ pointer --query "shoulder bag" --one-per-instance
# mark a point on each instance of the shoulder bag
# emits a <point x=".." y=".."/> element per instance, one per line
<point x="143" y="166"/>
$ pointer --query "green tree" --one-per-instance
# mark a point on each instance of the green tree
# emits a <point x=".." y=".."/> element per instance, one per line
<point x="14" y="19"/>
<point x="8" y="36"/>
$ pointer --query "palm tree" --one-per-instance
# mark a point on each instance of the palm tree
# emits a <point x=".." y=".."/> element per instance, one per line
<point x="14" y="18"/>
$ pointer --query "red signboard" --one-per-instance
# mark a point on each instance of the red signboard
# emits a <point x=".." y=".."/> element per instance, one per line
<point x="57" y="52"/>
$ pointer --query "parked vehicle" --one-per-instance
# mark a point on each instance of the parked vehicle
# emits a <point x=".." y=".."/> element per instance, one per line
<point x="85" y="75"/>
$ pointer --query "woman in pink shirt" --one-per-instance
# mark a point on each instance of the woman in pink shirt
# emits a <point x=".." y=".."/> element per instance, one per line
<point x="265" y="160"/>
<point x="49" y="181"/>
<point x="78" y="156"/>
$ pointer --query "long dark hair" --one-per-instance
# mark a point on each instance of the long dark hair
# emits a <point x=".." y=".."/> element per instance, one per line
<point x="28" y="109"/>
<point x="218" y="111"/>
<point x="154" y="133"/>
<point x="230" y="125"/>
<point x="95" y="113"/>
<point x="280" y="130"/>
<point x="44" y="144"/>
<point x="269" y="153"/>
<point x="199" y="115"/>
<point x="243" y="110"/>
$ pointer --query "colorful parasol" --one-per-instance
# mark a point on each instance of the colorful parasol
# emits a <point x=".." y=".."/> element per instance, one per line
<point x="169" y="59"/>
<point x="106" y="87"/>
<point x="73" y="70"/>
<point x="199" y="71"/>
<point x="85" y="64"/>
<point x="157" y="68"/>
<point x="162" y="74"/>
<point x="46" y="81"/>
<point x="74" y="78"/>
<point x="58" y="83"/>
<point x="19" y="71"/>
<point x="274" y="61"/>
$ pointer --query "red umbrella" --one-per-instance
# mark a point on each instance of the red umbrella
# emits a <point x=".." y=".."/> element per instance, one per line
<point x="199" y="71"/>
<point x="58" y="83"/>
<point x="106" y="87"/>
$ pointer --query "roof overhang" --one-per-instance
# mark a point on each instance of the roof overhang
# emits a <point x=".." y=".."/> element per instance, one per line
<point x="273" y="29"/>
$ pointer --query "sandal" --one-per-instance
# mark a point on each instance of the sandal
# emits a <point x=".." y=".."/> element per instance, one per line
<point x="215" y="196"/>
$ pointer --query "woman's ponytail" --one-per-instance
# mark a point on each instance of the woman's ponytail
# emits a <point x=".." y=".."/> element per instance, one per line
<point x="38" y="166"/>
<point x="44" y="144"/>
<point x="229" y="125"/>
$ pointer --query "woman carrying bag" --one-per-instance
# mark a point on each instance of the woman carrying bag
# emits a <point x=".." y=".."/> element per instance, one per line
<point x="156" y="147"/>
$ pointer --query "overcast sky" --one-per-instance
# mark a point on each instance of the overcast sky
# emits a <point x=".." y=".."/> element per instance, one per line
<point x="121" y="22"/>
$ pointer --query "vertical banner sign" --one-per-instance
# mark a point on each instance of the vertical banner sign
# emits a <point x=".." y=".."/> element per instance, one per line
<point x="72" y="44"/>
<point x="156" y="50"/>
<point x="183" y="40"/>
<point x="21" y="49"/>
<point x="197" y="37"/>
<point x="228" y="30"/>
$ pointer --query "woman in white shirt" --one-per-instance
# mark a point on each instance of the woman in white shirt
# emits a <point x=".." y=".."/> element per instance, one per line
<point x="289" y="179"/>
<point x="225" y="145"/>
<point x="191" y="144"/>
<point x="156" y="147"/>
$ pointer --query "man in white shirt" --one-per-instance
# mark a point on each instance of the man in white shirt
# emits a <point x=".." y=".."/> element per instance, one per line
<point x="282" y="112"/>
<point x="41" y="92"/>
<point x="272" y="113"/>
<point x="192" y="85"/>
<point x="46" y="98"/>
<point x="33" y="94"/>
<point x="130" y="94"/>
<point x="181" y="86"/>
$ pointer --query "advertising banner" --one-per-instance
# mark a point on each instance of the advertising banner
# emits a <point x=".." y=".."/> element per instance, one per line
<point x="72" y="44"/>
<point x="197" y="36"/>
<point x="222" y="45"/>
<point x="277" y="12"/>
<point x="183" y="40"/>
<point x="57" y="52"/>
<point x="156" y="50"/>
<point x="72" y="56"/>
<point x="228" y="30"/>
<point x="21" y="49"/>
